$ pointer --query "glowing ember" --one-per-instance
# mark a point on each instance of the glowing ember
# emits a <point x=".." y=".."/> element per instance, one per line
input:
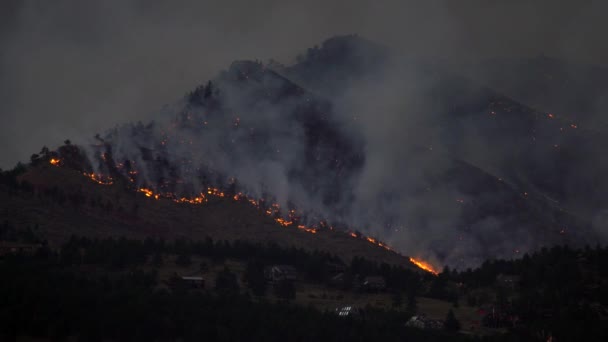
<point x="99" y="179"/>
<point x="149" y="193"/>
<point x="54" y="161"/>
<point x="283" y="222"/>
<point x="196" y="200"/>
<point x="306" y="229"/>
<point x="215" y="192"/>
<point x="424" y="265"/>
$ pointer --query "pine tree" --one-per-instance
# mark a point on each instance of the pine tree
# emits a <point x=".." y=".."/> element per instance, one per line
<point x="451" y="323"/>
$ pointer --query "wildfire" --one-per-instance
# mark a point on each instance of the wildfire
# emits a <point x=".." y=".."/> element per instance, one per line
<point x="98" y="178"/>
<point x="215" y="192"/>
<point x="273" y="209"/>
<point x="306" y="229"/>
<point x="148" y="193"/>
<point x="424" y="265"/>
<point x="54" y="161"/>
<point x="375" y="242"/>
<point x="196" y="200"/>
<point x="283" y="222"/>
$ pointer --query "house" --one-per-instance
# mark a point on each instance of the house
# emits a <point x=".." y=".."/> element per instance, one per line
<point x="348" y="311"/>
<point x="508" y="281"/>
<point x="423" y="322"/>
<point x="373" y="283"/>
<point x="278" y="273"/>
<point x="339" y="280"/>
<point x="185" y="282"/>
<point x="9" y="247"/>
<point x="335" y="268"/>
<point x="195" y="282"/>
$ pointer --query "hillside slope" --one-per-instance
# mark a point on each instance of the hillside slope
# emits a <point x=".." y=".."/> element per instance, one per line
<point x="62" y="202"/>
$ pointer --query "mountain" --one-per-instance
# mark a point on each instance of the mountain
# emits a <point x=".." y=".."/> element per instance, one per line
<point x="543" y="160"/>
<point x="351" y="138"/>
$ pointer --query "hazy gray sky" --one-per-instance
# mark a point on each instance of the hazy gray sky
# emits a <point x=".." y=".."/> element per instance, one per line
<point x="70" y="68"/>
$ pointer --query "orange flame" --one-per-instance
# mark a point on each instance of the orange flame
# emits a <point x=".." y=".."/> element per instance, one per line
<point x="424" y="265"/>
<point x="149" y="193"/>
<point x="54" y="161"/>
<point x="283" y="222"/>
<point x="215" y="192"/>
<point x="99" y="179"/>
<point x="306" y="229"/>
<point x="273" y="210"/>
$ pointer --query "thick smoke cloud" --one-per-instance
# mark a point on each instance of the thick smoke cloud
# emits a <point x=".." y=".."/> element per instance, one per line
<point x="70" y="67"/>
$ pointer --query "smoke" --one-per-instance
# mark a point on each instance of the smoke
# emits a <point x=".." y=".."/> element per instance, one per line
<point x="379" y="151"/>
<point x="69" y="67"/>
<point x="378" y="155"/>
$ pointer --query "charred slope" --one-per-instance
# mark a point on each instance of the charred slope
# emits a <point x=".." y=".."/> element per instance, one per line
<point x="60" y="202"/>
<point x="515" y="174"/>
<point x="541" y="153"/>
<point x="578" y="92"/>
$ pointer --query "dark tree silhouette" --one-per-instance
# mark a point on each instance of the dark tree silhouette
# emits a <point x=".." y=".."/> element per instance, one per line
<point x="451" y="323"/>
<point x="285" y="289"/>
<point x="226" y="282"/>
<point x="254" y="277"/>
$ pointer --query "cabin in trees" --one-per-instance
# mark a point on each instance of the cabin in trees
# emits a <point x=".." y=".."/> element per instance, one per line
<point x="186" y="282"/>
<point x="423" y="322"/>
<point x="349" y="311"/>
<point x="194" y="281"/>
<point x="373" y="283"/>
<point x="508" y="281"/>
<point x="9" y="247"/>
<point x="277" y="273"/>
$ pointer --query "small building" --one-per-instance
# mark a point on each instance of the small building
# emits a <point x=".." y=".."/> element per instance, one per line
<point x="10" y="247"/>
<point x="195" y="282"/>
<point x="335" y="268"/>
<point x="278" y="273"/>
<point x="508" y="281"/>
<point x="339" y="281"/>
<point x="373" y="283"/>
<point x="348" y="311"/>
<point x="423" y="322"/>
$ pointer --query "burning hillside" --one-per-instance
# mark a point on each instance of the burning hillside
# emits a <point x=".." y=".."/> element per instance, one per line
<point x="315" y="162"/>
<point x="272" y="210"/>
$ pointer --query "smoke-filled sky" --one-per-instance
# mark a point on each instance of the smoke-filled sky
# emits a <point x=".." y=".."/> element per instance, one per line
<point x="70" y="68"/>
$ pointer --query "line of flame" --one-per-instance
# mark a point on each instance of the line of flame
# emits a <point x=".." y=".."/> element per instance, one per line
<point x="273" y="210"/>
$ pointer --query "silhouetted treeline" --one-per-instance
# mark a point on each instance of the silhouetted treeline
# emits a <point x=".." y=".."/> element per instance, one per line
<point x="41" y="296"/>
<point x="561" y="291"/>
<point x="314" y="265"/>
